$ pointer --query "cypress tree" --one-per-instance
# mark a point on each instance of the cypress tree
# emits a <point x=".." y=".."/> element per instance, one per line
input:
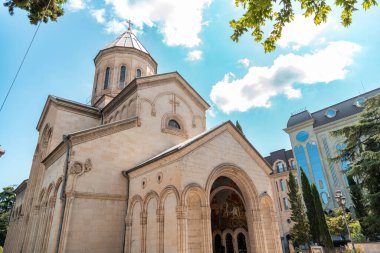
<point x="238" y="126"/>
<point x="321" y="219"/>
<point x="310" y="208"/>
<point x="300" y="231"/>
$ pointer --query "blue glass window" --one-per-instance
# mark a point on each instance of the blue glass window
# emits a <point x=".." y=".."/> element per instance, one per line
<point x="293" y="164"/>
<point x="324" y="197"/>
<point x="330" y="113"/>
<point x="123" y="71"/>
<point x="302" y="136"/>
<point x="280" y="167"/>
<point x="360" y="102"/>
<point x="301" y="160"/>
<point x="107" y="78"/>
<point x="316" y="166"/>
<point x="331" y="164"/>
<point x="286" y="203"/>
<point x="138" y="72"/>
<point x="282" y="184"/>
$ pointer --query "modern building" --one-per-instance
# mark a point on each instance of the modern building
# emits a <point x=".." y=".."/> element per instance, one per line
<point x="314" y="146"/>
<point x="137" y="171"/>
<point x="282" y="161"/>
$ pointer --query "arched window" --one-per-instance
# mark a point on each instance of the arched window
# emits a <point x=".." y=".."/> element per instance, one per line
<point x="242" y="245"/>
<point x="138" y="72"/>
<point x="107" y="78"/>
<point x="96" y="81"/>
<point x="123" y="71"/>
<point x="218" y="244"/>
<point x="280" y="167"/>
<point x="174" y="124"/>
<point x="293" y="164"/>
<point x="229" y="244"/>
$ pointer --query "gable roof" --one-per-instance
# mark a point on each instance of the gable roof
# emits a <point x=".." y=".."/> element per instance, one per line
<point x="79" y="107"/>
<point x="192" y="141"/>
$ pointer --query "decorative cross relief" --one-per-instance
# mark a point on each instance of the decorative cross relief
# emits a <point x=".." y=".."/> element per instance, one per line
<point x="174" y="102"/>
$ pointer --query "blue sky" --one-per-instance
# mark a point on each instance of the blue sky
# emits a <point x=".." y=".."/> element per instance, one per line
<point x="313" y="67"/>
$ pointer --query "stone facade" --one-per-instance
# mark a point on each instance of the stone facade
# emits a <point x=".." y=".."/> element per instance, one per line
<point x="138" y="172"/>
<point x="282" y="161"/>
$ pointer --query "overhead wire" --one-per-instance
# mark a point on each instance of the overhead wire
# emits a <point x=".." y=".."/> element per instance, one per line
<point x="23" y="60"/>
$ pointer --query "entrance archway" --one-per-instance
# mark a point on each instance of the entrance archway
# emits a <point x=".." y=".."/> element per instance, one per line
<point x="228" y="217"/>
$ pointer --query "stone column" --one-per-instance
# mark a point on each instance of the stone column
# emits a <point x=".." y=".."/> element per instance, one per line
<point x="128" y="233"/>
<point x="66" y="222"/>
<point x="182" y="228"/>
<point x="41" y="227"/>
<point x="143" y="221"/>
<point x="47" y="232"/>
<point x="207" y="233"/>
<point x="34" y="230"/>
<point x="160" y="220"/>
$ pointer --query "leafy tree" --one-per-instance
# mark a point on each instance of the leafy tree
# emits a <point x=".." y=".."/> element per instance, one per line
<point x="363" y="153"/>
<point x="310" y="207"/>
<point x="238" y="126"/>
<point x="300" y="231"/>
<point x="337" y="226"/>
<point x="259" y="12"/>
<point x="41" y="10"/>
<point x="7" y="199"/>
<point x="324" y="235"/>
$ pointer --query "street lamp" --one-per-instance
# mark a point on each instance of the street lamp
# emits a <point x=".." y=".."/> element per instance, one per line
<point x="341" y="200"/>
<point x="2" y="151"/>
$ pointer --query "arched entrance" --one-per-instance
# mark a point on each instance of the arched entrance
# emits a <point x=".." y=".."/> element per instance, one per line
<point x="228" y="217"/>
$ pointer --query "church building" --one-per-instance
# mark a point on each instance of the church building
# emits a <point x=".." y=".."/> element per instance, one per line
<point x="137" y="171"/>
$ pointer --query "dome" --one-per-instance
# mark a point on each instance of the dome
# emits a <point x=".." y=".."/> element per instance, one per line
<point x="129" y="40"/>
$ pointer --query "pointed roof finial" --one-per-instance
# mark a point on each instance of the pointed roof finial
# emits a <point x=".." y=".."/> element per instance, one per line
<point x="129" y="25"/>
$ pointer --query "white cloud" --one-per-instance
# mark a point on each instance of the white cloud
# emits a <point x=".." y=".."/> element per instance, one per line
<point x="116" y="27"/>
<point x="75" y="5"/>
<point x="301" y="32"/>
<point x="260" y="84"/>
<point x="99" y="15"/>
<point x="244" y="62"/>
<point x="194" y="55"/>
<point x="180" y="21"/>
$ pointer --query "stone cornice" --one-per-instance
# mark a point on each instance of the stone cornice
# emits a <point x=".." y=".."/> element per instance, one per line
<point x="338" y="123"/>
<point x="128" y="50"/>
<point x="121" y="97"/>
<point x="300" y="126"/>
<point x="103" y="130"/>
<point x="68" y="105"/>
<point x="54" y="155"/>
<point x="93" y="195"/>
<point x="88" y="135"/>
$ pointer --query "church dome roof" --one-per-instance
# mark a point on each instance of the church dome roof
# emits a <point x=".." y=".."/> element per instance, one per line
<point x="128" y="40"/>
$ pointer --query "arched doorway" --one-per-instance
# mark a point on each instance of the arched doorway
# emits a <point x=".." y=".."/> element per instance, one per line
<point x="228" y="218"/>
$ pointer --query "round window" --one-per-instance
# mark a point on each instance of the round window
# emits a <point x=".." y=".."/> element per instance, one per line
<point x="360" y="102"/>
<point x="331" y="113"/>
<point x="302" y="136"/>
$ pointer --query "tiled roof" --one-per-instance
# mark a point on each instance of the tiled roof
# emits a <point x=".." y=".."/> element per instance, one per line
<point x="127" y="39"/>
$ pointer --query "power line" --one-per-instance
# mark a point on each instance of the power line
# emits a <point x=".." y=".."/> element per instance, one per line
<point x="23" y="59"/>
